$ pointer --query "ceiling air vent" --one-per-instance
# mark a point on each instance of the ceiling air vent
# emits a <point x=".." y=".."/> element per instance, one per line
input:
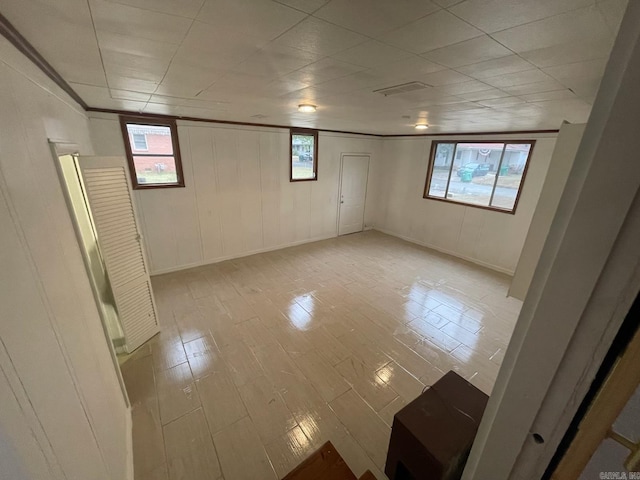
<point x="402" y="88"/>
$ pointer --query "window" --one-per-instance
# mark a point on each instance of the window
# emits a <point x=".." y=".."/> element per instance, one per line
<point x="153" y="152"/>
<point x="304" y="155"/>
<point x="481" y="174"/>
<point x="139" y="141"/>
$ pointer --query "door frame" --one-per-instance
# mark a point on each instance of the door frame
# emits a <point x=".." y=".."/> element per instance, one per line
<point x="59" y="149"/>
<point x="366" y="188"/>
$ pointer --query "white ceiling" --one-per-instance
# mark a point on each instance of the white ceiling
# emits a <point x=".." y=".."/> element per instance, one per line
<point x="490" y="65"/>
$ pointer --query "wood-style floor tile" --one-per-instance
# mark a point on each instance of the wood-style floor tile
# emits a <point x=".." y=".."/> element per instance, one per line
<point x="366" y="427"/>
<point x="221" y="400"/>
<point x="402" y="382"/>
<point x="322" y="375"/>
<point x="274" y="354"/>
<point x="367" y="383"/>
<point x="287" y="451"/>
<point x="241" y="363"/>
<point x="242" y="455"/>
<point x="267" y="410"/>
<point x="177" y="393"/>
<point x="190" y="452"/>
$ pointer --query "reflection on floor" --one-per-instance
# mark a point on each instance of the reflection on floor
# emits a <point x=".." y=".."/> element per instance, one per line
<point x="263" y="359"/>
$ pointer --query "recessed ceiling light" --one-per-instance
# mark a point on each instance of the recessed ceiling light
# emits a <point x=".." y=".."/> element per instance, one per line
<point x="421" y="126"/>
<point x="306" y="108"/>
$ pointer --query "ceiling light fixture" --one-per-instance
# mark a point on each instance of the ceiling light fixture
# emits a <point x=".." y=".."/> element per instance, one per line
<point x="306" y="108"/>
<point x="421" y="126"/>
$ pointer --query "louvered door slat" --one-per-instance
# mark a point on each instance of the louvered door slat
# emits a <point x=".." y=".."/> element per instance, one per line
<point x="107" y="183"/>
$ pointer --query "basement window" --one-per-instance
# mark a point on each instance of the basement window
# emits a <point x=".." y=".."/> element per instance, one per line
<point x="153" y="152"/>
<point x="483" y="174"/>
<point x="304" y="155"/>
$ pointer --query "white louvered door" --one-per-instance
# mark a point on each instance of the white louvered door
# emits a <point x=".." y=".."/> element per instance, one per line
<point x="106" y="183"/>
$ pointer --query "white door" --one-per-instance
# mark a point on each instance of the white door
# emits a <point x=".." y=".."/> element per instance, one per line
<point x="353" y="191"/>
<point x="106" y="183"/>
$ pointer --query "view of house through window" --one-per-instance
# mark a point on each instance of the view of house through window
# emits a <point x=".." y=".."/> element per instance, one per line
<point x="152" y="151"/>
<point x="304" y="153"/>
<point x="485" y="174"/>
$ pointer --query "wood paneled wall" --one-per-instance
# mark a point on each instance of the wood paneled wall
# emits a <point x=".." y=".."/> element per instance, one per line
<point x="492" y="239"/>
<point x="62" y="412"/>
<point x="238" y="199"/>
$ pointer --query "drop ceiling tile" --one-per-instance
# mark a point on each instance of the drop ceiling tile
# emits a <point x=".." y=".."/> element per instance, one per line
<point x="115" y="42"/>
<point x="308" y="6"/>
<point x="574" y="110"/>
<point x="91" y="94"/>
<point x="188" y="102"/>
<point x="522" y="110"/>
<point x="99" y="97"/>
<point x="519" y="78"/>
<point x="498" y="66"/>
<point x="320" y="37"/>
<point x="501" y="102"/>
<point x="409" y="69"/>
<point x="127" y="95"/>
<point x="612" y="12"/>
<point x="488" y="94"/>
<point x="79" y="70"/>
<point x="135" y="22"/>
<point x="372" y="54"/>
<point x="494" y="15"/>
<point x="134" y="66"/>
<point x="579" y="70"/>
<point x="187" y="80"/>
<point x="464" y="87"/>
<point x="62" y="32"/>
<point x="132" y="84"/>
<point x="444" y="77"/>
<point x="349" y="83"/>
<point x="276" y="61"/>
<point x="214" y="47"/>
<point x="447" y="3"/>
<point x="433" y="31"/>
<point x="585" y="24"/>
<point x="476" y="50"/>
<point x="569" y="52"/>
<point x="374" y="17"/>
<point x="322" y="71"/>
<point x="259" y="19"/>
<point x="537" y="87"/>
<point x="564" y="94"/>
<point x="182" y="8"/>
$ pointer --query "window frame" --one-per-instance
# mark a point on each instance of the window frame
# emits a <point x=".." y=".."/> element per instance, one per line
<point x="153" y="122"/>
<point x="434" y="146"/>
<point x="303" y="131"/>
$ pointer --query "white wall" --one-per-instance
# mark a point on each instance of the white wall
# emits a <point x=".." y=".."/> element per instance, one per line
<point x="488" y="238"/>
<point x="62" y="412"/>
<point x="238" y="199"/>
<point x="561" y="162"/>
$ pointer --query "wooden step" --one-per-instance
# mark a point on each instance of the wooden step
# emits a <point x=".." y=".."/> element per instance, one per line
<point x="325" y="464"/>
<point x="367" y="476"/>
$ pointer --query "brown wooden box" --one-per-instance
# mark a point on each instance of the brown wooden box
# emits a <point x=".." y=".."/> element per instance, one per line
<point x="431" y="437"/>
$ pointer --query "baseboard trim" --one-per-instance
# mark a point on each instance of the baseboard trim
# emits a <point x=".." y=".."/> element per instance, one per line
<point x="129" y="441"/>
<point x="240" y="255"/>
<point x="447" y="252"/>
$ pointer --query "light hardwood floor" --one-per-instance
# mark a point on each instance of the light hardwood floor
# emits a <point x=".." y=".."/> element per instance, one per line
<point x="263" y="359"/>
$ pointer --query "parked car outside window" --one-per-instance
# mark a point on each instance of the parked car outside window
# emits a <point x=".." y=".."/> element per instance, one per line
<point x="475" y="169"/>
